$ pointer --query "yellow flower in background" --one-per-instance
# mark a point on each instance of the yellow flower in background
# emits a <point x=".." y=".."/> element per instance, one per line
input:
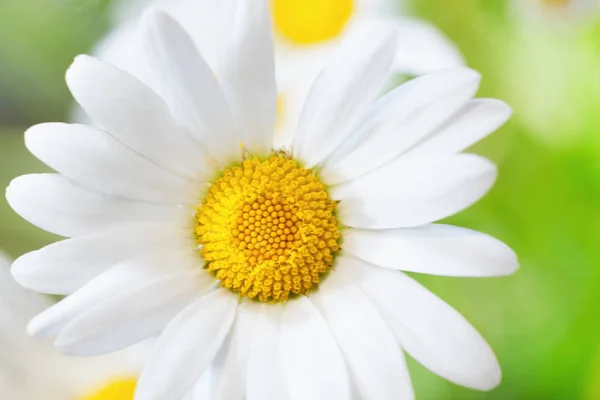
<point x="306" y="32"/>
<point x="33" y="370"/>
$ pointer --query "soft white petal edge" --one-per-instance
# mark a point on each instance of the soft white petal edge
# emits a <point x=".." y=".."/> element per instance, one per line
<point x="56" y="205"/>
<point x="348" y="82"/>
<point x="137" y="116"/>
<point x="399" y="120"/>
<point x="132" y="314"/>
<point x="312" y="364"/>
<point x="477" y="119"/>
<point x="413" y="191"/>
<point x="431" y="331"/>
<point x="433" y="249"/>
<point x="97" y="161"/>
<point x="165" y="258"/>
<point x="371" y="351"/>
<point x="186" y="348"/>
<point x="247" y="71"/>
<point x="423" y="48"/>
<point x="190" y="86"/>
<point x="63" y="267"/>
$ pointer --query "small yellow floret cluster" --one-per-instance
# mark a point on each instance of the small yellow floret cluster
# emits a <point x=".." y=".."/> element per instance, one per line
<point x="117" y="390"/>
<point x="267" y="229"/>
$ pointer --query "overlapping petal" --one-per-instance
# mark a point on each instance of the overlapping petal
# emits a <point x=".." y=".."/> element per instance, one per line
<point x="352" y="78"/>
<point x="190" y="87"/>
<point x="413" y="191"/>
<point x="206" y="321"/>
<point x="136" y="116"/>
<point x="247" y="71"/>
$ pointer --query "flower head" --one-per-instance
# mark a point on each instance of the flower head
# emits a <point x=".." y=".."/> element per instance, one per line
<point x="266" y="272"/>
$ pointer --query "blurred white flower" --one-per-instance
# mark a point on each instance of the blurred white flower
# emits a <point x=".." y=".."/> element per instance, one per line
<point x="268" y="273"/>
<point x="306" y="31"/>
<point x="555" y="11"/>
<point x="33" y="370"/>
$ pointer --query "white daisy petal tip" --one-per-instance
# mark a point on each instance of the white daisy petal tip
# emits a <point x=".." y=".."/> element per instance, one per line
<point x="75" y="72"/>
<point x="38" y="328"/>
<point x="23" y="273"/>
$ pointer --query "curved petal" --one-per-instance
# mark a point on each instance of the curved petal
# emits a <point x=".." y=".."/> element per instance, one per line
<point x="236" y="361"/>
<point x="431" y="331"/>
<point x="413" y="191"/>
<point x="476" y="120"/>
<point x="423" y="48"/>
<point x="97" y="161"/>
<point x="371" y="351"/>
<point x="190" y="87"/>
<point x="162" y="260"/>
<point x="63" y="267"/>
<point x="433" y="249"/>
<point x="56" y="205"/>
<point x="312" y="365"/>
<point x="350" y="81"/>
<point x="264" y="377"/>
<point x="16" y="303"/>
<point x="187" y="347"/>
<point x="136" y="116"/>
<point x="247" y="71"/>
<point x="132" y="314"/>
<point x="399" y="120"/>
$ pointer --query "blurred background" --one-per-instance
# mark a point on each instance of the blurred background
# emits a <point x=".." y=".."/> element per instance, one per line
<point x="540" y="56"/>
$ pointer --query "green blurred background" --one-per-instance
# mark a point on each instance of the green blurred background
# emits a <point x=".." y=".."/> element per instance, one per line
<point x="542" y="322"/>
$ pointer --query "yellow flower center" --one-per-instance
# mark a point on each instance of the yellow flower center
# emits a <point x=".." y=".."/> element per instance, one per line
<point x="310" y="21"/>
<point x="117" y="390"/>
<point x="267" y="229"/>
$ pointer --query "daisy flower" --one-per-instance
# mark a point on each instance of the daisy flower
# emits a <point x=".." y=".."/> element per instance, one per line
<point x="33" y="370"/>
<point x="306" y="32"/>
<point x="265" y="272"/>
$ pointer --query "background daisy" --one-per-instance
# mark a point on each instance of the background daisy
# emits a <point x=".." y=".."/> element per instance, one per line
<point x="306" y="32"/>
<point x="33" y="370"/>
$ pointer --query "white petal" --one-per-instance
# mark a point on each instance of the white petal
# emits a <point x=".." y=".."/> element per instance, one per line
<point x="432" y="332"/>
<point x="413" y="191"/>
<point x="476" y="120"/>
<point x="132" y="314"/>
<point x="371" y="351"/>
<point x="433" y="249"/>
<point x="65" y="266"/>
<point x="399" y="120"/>
<point x="99" y="162"/>
<point x="190" y="87"/>
<point x="247" y="71"/>
<point x="350" y="81"/>
<point x="136" y="116"/>
<point x="264" y="377"/>
<point x="16" y="303"/>
<point x="423" y="48"/>
<point x="56" y="205"/>
<point x="312" y="364"/>
<point x="164" y="259"/>
<point x="187" y="347"/>
<point x="235" y="362"/>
